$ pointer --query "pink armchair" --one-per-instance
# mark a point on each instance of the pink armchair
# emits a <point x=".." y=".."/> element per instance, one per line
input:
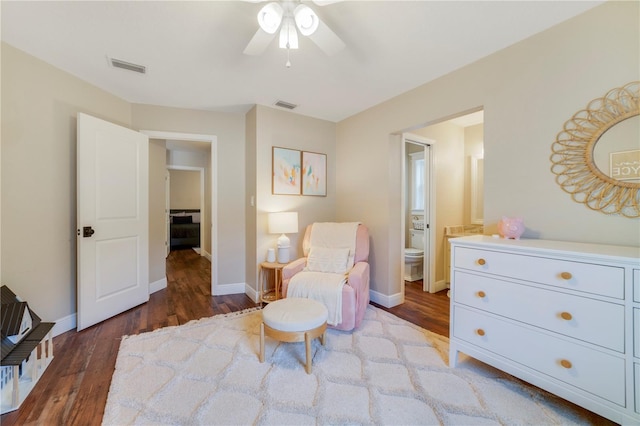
<point x="355" y="293"/>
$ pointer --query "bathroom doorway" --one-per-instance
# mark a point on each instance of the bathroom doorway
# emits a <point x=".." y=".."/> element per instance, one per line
<point x="418" y="211"/>
<point x="456" y="165"/>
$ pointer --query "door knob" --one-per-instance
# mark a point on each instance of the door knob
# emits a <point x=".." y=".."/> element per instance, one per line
<point x="87" y="231"/>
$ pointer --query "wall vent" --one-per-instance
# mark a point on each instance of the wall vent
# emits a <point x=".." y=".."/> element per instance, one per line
<point x="287" y="105"/>
<point x="117" y="63"/>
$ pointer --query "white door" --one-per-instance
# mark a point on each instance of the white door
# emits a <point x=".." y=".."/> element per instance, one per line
<point x="113" y="220"/>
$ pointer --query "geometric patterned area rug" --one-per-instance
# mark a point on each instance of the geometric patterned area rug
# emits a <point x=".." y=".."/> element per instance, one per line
<point x="387" y="372"/>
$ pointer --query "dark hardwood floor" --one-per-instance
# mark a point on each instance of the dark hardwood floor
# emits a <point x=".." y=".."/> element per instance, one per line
<point x="73" y="390"/>
<point x="428" y="310"/>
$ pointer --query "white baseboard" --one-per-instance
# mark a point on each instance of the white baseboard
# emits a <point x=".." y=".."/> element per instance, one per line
<point x="439" y="286"/>
<point x="233" y="288"/>
<point x="64" y="324"/>
<point x="158" y="285"/>
<point x="252" y="293"/>
<point x="205" y="254"/>
<point x="384" y="300"/>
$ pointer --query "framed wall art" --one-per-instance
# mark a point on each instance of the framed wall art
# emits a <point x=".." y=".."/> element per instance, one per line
<point x="314" y="174"/>
<point x="285" y="171"/>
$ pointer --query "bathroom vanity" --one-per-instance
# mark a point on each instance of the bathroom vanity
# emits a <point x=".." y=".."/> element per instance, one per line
<point x="562" y="316"/>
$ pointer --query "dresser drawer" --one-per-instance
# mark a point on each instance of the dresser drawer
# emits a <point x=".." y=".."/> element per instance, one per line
<point x="636" y="333"/>
<point x="586" y="277"/>
<point x="590" y="320"/>
<point x="593" y="371"/>
<point x="636" y="367"/>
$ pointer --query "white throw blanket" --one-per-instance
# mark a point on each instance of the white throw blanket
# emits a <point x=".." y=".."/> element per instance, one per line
<point x="321" y="286"/>
<point x="335" y="235"/>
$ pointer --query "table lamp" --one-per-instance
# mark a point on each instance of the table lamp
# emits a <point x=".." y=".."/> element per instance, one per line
<point x="283" y="223"/>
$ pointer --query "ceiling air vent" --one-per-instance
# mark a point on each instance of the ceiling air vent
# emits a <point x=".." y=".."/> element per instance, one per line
<point x="117" y="63"/>
<point x="287" y="105"/>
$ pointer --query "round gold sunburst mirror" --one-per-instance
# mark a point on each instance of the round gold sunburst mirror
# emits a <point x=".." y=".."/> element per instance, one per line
<point x="596" y="157"/>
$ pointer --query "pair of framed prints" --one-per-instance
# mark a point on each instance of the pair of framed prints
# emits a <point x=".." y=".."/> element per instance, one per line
<point x="297" y="172"/>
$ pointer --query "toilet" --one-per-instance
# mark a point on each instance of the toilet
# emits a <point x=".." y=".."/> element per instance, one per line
<point x="413" y="256"/>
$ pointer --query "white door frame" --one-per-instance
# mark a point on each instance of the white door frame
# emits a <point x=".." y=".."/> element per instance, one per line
<point x="429" y="262"/>
<point x="167" y="208"/>
<point x="213" y="140"/>
<point x="202" y="205"/>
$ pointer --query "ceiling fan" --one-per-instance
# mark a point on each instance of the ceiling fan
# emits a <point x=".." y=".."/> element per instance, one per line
<point x="290" y="17"/>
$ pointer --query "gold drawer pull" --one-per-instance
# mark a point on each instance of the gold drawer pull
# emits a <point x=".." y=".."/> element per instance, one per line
<point x="566" y="316"/>
<point x="566" y="275"/>
<point x="480" y="332"/>
<point x="481" y="294"/>
<point x="565" y="363"/>
<point x="481" y="261"/>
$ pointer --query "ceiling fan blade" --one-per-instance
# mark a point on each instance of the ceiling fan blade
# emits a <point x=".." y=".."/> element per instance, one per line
<point x="327" y="40"/>
<point x="258" y="43"/>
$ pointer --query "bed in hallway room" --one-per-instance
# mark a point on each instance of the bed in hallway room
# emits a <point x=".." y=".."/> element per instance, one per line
<point x="184" y="228"/>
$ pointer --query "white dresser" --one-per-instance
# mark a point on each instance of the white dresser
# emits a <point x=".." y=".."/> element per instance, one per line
<point x="562" y="316"/>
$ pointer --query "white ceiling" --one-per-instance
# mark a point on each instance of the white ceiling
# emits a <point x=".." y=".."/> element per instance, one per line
<point x="193" y="50"/>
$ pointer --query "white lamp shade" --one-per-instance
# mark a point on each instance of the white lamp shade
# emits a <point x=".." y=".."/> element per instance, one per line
<point x="270" y="17"/>
<point x="283" y="223"/>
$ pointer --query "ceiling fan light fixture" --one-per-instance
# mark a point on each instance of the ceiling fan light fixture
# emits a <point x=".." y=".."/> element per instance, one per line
<point x="306" y="19"/>
<point x="270" y="17"/>
<point x="288" y="34"/>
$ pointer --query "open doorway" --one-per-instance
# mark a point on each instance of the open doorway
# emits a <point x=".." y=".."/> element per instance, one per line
<point x="196" y="153"/>
<point x="419" y="210"/>
<point x="456" y="194"/>
<point x="185" y="196"/>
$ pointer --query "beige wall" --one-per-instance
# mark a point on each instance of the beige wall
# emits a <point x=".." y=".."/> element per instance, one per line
<point x="284" y="129"/>
<point x="449" y="175"/>
<point x="251" y="160"/>
<point x="185" y="189"/>
<point x="39" y="108"/>
<point x="527" y="91"/>
<point x="229" y="172"/>
<point x="157" y="205"/>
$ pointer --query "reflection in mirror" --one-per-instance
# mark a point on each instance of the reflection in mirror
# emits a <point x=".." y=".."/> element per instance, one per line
<point x="617" y="152"/>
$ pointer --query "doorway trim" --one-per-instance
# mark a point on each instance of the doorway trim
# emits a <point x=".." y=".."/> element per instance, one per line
<point x="429" y="283"/>
<point x="213" y="208"/>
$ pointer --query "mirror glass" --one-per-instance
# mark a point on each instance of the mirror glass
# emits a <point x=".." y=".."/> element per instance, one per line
<point x="477" y="191"/>
<point x="617" y="153"/>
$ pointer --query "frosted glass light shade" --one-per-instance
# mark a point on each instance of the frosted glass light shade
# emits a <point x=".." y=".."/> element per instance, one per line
<point x="270" y="17"/>
<point x="306" y="19"/>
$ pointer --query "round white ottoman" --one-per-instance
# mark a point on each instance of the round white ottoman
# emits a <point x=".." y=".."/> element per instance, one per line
<point x="294" y="320"/>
